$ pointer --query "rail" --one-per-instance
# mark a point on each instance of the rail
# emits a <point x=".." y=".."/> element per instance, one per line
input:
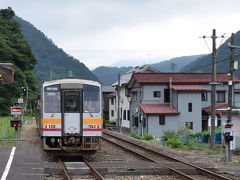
<point x="95" y="173"/>
<point x="64" y="170"/>
<point x="182" y="175"/>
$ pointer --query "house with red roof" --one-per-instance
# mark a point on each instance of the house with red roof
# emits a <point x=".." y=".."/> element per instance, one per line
<point x="124" y="99"/>
<point x="169" y="101"/>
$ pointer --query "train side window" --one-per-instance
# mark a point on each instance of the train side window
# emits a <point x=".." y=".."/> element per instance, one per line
<point x="52" y="102"/>
<point x="91" y="98"/>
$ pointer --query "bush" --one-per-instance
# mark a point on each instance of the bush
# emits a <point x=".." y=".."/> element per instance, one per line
<point x="148" y="137"/>
<point x="169" y="134"/>
<point x="136" y="136"/>
<point x="174" y="142"/>
<point x="184" y="132"/>
<point x="206" y="133"/>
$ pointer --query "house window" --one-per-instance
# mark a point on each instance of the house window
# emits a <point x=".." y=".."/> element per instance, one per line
<point x="128" y="115"/>
<point x="204" y="96"/>
<point x="112" y="101"/>
<point x="112" y="113"/>
<point x="166" y="95"/>
<point x="127" y="92"/>
<point x="156" y="93"/>
<point x="124" y="115"/>
<point x="189" y="125"/>
<point x="144" y="122"/>
<point x="220" y="97"/>
<point x="161" y="120"/>
<point x="189" y="107"/>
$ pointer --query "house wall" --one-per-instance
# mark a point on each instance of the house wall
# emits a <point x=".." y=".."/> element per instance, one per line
<point x="209" y="87"/>
<point x="157" y="130"/>
<point x="114" y="108"/>
<point x="195" y="116"/>
<point x="147" y="93"/>
<point x="175" y="99"/>
<point x="124" y="105"/>
<point x="237" y="99"/>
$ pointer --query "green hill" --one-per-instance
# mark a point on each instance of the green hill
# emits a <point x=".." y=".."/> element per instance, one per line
<point x="109" y="75"/>
<point x="204" y="64"/>
<point x="51" y="60"/>
<point x="15" y="49"/>
<point x="179" y="63"/>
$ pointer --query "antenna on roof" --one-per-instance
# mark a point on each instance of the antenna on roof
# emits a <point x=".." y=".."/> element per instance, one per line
<point x="70" y="74"/>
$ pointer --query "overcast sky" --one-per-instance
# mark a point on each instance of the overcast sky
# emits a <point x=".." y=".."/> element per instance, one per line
<point x="103" y="32"/>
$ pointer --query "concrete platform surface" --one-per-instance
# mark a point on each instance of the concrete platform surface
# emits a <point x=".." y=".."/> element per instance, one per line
<point x="26" y="164"/>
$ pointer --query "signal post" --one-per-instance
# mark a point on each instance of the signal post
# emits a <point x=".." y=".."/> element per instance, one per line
<point x="227" y="130"/>
<point x="16" y="122"/>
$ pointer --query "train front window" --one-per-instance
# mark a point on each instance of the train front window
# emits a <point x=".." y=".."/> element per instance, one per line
<point x="52" y="102"/>
<point x="91" y="98"/>
<point x="71" y="104"/>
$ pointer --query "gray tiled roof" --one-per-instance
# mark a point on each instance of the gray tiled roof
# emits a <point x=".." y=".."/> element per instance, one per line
<point x="107" y="88"/>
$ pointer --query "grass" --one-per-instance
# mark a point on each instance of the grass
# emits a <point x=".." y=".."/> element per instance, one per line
<point x="6" y="132"/>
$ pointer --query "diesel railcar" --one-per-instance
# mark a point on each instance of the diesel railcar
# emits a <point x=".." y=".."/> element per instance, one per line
<point x="71" y="115"/>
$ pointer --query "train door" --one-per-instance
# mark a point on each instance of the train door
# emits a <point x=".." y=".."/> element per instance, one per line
<point x="72" y="112"/>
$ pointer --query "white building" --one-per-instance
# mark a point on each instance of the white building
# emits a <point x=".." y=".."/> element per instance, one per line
<point x="124" y="96"/>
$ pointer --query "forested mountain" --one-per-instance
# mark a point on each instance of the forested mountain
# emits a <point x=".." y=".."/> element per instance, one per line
<point x="174" y="64"/>
<point x="108" y="75"/>
<point x="51" y="60"/>
<point x="204" y="64"/>
<point x="15" y="49"/>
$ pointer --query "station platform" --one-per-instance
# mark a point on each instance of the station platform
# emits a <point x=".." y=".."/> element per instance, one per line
<point x="20" y="163"/>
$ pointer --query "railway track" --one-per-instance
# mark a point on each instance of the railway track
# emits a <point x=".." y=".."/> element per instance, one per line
<point x="155" y="156"/>
<point x="93" y="170"/>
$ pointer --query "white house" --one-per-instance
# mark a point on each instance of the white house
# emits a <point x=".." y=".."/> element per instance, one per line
<point x="124" y="102"/>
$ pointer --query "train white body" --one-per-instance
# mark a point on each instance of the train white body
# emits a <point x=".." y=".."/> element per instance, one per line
<point x="71" y="115"/>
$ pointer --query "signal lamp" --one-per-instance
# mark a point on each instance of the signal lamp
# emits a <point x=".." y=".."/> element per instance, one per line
<point x="96" y="126"/>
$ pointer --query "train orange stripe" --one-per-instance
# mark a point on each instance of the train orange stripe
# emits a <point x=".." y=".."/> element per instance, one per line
<point x="92" y="121"/>
<point x="86" y="129"/>
<point x="57" y="129"/>
<point x="51" y="121"/>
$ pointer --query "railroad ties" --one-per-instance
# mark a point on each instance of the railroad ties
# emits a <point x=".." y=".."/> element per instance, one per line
<point x="80" y="168"/>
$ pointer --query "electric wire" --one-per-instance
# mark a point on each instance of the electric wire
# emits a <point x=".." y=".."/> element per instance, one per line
<point x="207" y="44"/>
<point x="205" y="65"/>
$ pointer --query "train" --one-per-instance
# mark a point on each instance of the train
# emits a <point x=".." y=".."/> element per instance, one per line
<point x="70" y="115"/>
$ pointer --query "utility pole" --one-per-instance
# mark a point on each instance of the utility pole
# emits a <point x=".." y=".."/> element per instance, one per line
<point x="230" y="94"/>
<point x="173" y="65"/>
<point x="118" y="104"/>
<point x="213" y="93"/>
<point x="228" y="137"/>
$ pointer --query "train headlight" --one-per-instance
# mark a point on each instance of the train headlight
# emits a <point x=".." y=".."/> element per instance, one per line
<point x="93" y="126"/>
<point x="96" y="126"/>
<point x="47" y="126"/>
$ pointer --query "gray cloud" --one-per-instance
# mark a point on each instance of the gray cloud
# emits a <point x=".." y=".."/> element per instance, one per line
<point x="116" y="25"/>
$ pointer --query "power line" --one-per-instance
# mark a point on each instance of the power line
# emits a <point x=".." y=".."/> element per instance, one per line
<point x="205" y="65"/>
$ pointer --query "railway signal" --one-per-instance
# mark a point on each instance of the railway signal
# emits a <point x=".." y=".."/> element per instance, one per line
<point x="16" y="123"/>
<point x="16" y="111"/>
